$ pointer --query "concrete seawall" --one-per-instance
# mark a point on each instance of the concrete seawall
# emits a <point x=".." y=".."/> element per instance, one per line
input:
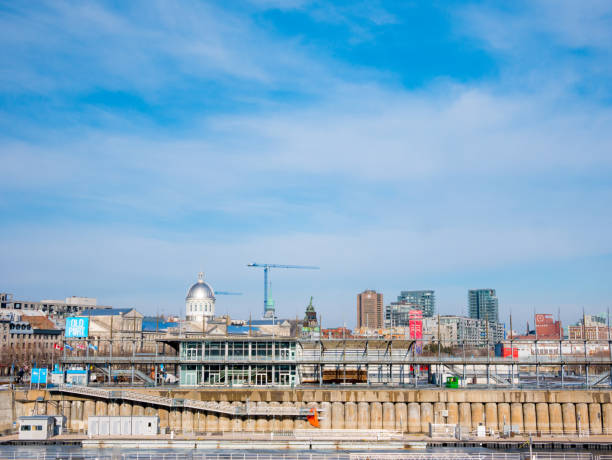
<point x="7" y="410"/>
<point x="409" y="411"/>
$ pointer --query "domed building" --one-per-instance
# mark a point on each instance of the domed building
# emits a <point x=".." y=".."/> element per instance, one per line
<point x="200" y="300"/>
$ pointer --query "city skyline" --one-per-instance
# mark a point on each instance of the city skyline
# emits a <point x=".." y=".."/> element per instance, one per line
<point x="446" y="146"/>
<point x="519" y="323"/>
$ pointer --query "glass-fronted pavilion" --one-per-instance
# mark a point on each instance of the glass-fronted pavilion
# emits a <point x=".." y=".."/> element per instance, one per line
<point x="230" y="361"/>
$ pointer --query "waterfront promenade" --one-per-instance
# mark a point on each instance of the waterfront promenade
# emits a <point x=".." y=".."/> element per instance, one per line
<point x="336" y="440"/>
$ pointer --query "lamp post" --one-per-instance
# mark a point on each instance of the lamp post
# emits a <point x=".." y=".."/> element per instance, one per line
<point x="530" y="448"/>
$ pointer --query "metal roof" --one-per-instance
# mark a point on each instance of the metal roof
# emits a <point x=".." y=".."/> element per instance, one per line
<point x="268" y="322"/>
<point x="105" y="311"/>
<point x="151" y="325"/>
<point x="240" y="330"/>
<point x="36" y="417"/>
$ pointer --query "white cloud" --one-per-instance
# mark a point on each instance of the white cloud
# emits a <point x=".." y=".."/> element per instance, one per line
<point x="383" y="135"/>
<point x="396" y="140"/>
<point x="563" y="45"/>
<point x="447" y="179"/>
<point x="144" y="47"/>
<point x="124" y="267"/>
<point x="551" y="23"/>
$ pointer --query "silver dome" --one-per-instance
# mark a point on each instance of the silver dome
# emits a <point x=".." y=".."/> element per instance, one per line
<point x="200" y="290"/>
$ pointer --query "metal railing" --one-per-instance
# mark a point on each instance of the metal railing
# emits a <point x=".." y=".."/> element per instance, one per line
<point x="279" y="455"/>
<point x="552" y="433"/>
<point x="211" y="406"/>
<point x="348" y="434"/>
<point x="564" y="456"/>
<point x="352" y="359"/>
<point x="437" y="456"/>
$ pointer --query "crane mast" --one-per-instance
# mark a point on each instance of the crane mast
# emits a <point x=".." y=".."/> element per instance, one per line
<point x="269" y="309"/>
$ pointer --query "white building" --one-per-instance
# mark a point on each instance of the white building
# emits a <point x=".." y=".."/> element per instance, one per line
<point x="200" y="300"/>
<point x="123" y="425"/>
<point x="447" y="331"/>
<point x="40" y="427"/>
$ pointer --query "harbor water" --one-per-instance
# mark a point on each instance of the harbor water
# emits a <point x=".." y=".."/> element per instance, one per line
<point x="78" y="453"/>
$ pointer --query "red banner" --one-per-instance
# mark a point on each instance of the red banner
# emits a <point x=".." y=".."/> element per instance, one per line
<point x="415" y="324"/>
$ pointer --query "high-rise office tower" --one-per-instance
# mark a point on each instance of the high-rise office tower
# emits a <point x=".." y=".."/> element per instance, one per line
<point x="424" y="300"/>
<point x="398" y="314"/>
<point x="370" y="309"/>
<point x="483" y="304"/>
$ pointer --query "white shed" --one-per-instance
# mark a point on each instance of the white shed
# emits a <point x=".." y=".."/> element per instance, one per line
<point x="36" y="427"/>
<point x="145" y="425"/>
<point x="123" y="425"/>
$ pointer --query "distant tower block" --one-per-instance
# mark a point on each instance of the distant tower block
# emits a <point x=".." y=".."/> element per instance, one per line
<point x="370" y="310"/>
<point x="200" y="300"/>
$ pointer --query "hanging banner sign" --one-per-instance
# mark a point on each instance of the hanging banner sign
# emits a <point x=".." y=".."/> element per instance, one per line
<point x="77" y="327"/>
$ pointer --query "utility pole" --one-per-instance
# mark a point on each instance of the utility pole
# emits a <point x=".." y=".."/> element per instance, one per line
<point x="511" y="352"/>
<point x="487" y="346"/>
<point x="439" y="347"/>
<point x="584" y="337"/>
<point x="535" y="326"/>
<point x="609" y="347"/>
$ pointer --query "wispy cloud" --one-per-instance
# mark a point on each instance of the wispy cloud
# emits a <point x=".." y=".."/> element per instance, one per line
<point x="143" y="47"/>
<point x="552" y="23"/>
<point x="140" y="145"/>
<point x="562" y="44"/>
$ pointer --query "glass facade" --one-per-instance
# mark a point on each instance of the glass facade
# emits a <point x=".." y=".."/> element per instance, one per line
<point x="423" y="300"/>
<point x="399" y="315"/>
<point x="237" y="362"/>
<point x="483" y="304"/>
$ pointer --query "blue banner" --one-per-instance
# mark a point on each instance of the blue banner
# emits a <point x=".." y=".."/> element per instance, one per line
<point x="77" y="327"/>
<point x="39" y="375"/>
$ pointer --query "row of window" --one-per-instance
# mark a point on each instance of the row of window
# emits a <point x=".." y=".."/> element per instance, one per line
<point x="237" y="375"/>
<point x="237" y="349"/>
<point x="206" y="307"/>
<point x="29" y="345"/>
<point x="32" y="336"/>
<point x="31" y="428"/>
<point x="43" y="307"/>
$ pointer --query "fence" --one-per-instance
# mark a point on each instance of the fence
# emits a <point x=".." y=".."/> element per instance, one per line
<point x="348" y="434"/>
<point x="436" y="456"/>
<point x="565" y="456"/>
<point x="397" y="455"/>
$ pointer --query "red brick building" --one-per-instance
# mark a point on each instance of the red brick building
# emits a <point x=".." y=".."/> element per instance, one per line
<point x="546" y="327"/>
<point x="337" y="333"/>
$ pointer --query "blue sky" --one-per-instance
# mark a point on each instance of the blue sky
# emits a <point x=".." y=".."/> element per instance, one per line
<point x="397" y="145"/>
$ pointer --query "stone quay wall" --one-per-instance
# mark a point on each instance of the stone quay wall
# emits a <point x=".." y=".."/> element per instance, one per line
<point x="409" y="411"/>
